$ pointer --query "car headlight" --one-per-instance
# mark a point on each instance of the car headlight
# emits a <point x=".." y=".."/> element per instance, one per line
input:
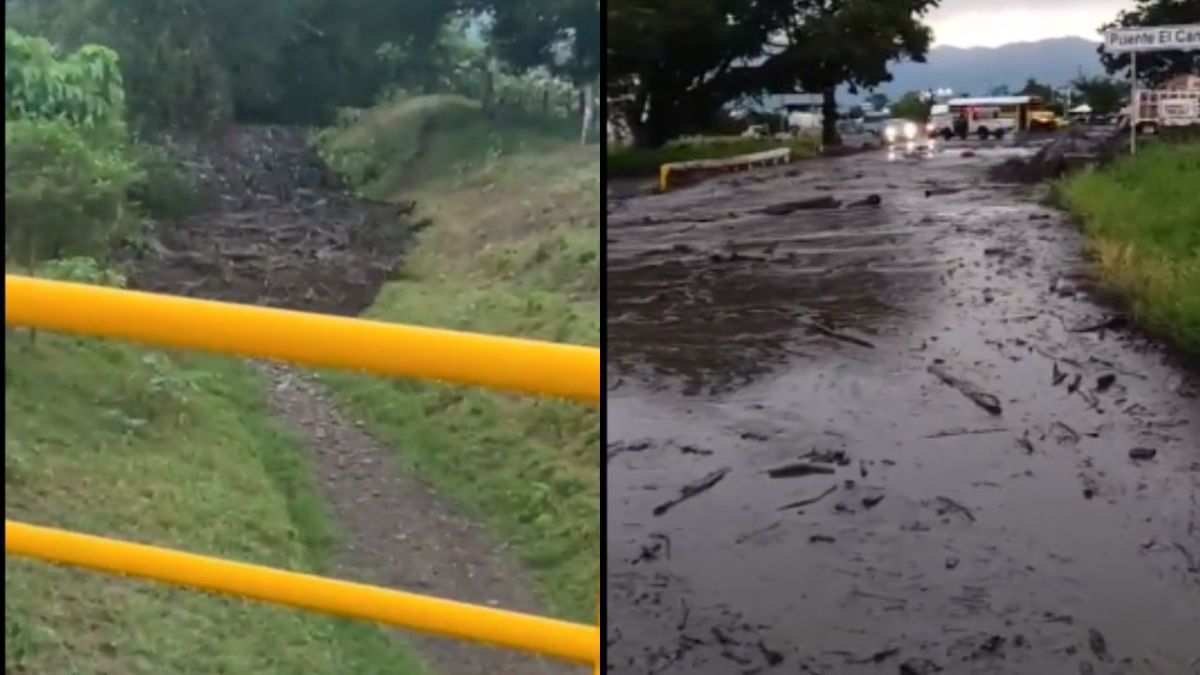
<point x="890" y="133"/>
<point x="929" y="127"/>
<point x="910" y="130"/>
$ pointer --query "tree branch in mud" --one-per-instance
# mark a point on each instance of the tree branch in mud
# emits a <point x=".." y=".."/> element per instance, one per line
<point x="974" y="393"/>
<point x="692" y="489"/>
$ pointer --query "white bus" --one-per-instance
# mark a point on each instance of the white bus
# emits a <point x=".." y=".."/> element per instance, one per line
<point x="992" y="116"/>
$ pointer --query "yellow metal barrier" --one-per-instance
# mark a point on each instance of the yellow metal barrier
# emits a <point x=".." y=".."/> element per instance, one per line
<point x="558" y="639"/>
<point x="527" y="366"/>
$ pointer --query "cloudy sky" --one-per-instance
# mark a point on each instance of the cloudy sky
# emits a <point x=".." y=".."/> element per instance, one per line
<point x="988" y="23"/>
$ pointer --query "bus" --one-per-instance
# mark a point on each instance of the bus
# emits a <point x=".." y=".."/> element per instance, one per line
<point x="986" y="117"/>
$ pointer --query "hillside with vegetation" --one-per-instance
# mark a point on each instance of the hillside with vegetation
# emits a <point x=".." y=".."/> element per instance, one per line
<point x="151" y="147"/>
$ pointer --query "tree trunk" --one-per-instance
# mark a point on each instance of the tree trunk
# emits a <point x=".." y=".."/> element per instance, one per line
<point x="829" y="132"/>
<point x="587" y="113"/>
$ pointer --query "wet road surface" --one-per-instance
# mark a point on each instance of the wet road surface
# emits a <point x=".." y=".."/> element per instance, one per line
<point x="955" y="428"/>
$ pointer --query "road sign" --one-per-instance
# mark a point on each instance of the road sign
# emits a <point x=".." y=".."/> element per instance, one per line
<point x="1153" y="38"/>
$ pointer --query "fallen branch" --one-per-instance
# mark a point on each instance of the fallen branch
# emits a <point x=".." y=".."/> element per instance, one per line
<point x="984" y="400"/>
<point x="691" y="490"/>
<point x="810" y="501"/>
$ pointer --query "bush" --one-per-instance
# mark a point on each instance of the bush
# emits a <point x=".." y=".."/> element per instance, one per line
<point x="64" y="194"/>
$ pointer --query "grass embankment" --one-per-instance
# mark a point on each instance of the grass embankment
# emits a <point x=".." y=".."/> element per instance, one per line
<point x="514" y="249"/>
<point x="1143" y="217"/>
<point x="631" y="162"/>
<point x="175" y="450"/>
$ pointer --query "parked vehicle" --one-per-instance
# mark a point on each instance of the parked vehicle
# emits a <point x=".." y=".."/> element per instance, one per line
<point x="1175" y="105"/>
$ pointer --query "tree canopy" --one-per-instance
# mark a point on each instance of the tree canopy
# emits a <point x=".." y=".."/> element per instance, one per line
<point x="673" y="64"/>
<point x="194" y="64"/>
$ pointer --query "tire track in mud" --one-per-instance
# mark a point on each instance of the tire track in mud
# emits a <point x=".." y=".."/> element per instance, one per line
<point x="938" y="533"/>
<point x="280" y="231"/>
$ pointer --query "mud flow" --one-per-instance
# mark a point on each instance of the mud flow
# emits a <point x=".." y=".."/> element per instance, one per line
<point x="277" y="229"/>
<point x="866" y="415"/>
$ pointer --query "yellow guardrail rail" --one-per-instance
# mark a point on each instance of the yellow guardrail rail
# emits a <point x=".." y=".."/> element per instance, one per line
<point x="320" y="340"/>
<point x="527" y="366"/>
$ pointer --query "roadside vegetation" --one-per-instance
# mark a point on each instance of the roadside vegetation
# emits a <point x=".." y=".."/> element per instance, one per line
<point x="633" y="161"/>
<point x="1142" y="215"/>
<point x="514" y="249"/>
<point x="179" y="450"/>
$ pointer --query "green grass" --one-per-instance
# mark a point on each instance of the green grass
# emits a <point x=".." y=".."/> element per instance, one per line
<point x="514" y="250"/>
<point x="174" y="450"/>
<point x="1142" y="215"/>
<point x="630" y="162"/>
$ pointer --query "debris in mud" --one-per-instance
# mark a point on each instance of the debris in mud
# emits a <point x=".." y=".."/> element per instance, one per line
<point x="752" y="436"/>
<point x="785" y="208"/>
<point x="692" y="489"/>
<point x="821" y="539"/>
<point x="984" y="400"/>
<point x="760" y="531"/>
<point x="950" y="433"/>
<point x="1025" y="444"/>
<point x="658" y="547"/>
<point x="810" y="501"/>
<point x="941" y="191"/>
<point x="1115" y="322"/>
<point x="992" y="646"/>
<point x="615" y="449"/>
<point x="951" y="505"/>
<point x="1193" y="561"/>
<point x="919" y="666"/>
<point x="1142" y="454"/>
<point x="1068" y="434"/>
<point x="799" y="469"/>
<point x="1105" y="382"/>
<point x="872" y="501"/>
<point x="1098" y="645"/>
<point x="838" y="457"/>
<point x="952" y="562"/>
<point x="822" y="329"/>
<point x="693" y="450"/>
<point x="869" y="200"/>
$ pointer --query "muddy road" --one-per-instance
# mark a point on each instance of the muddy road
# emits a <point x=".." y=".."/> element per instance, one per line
<point x="892" y="436"/>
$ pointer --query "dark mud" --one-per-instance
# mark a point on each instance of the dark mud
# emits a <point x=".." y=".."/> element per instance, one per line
<point x="984" y="513"/>
<point x="277" y="229"/>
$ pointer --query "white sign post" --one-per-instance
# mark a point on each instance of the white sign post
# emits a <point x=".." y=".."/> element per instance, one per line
<point x="1148" y="39"/>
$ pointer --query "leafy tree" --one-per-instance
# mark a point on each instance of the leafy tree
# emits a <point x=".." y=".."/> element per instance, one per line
<point x="911" y="106"/>
<point x="67" y="168"/>
<point x="1034" y="88"/>
<point x="1103" y="94"/>
<point x="672" y="64"/>
<point x="834" y="42"/>
<point x="1154" y="68"/>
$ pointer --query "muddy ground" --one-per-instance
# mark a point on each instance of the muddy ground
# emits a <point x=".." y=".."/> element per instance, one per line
<point x="866" y="415"/>
<point x="279" y="230"/>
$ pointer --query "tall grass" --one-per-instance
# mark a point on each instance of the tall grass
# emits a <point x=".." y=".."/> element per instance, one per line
<point x="1142" y="215"/>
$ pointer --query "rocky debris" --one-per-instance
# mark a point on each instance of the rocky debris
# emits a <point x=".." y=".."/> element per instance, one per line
<point x="799" y="469"/>
<point x="278" y="230"/>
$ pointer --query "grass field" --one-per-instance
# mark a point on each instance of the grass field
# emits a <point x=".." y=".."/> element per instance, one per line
<point x="514" y="250"/>
<point x="1143" y="217"/>
<point x="174" y="450"/>
<point x="631" y="162"/>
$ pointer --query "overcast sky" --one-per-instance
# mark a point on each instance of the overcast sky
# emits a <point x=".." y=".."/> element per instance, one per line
<point x="988" y="23"/>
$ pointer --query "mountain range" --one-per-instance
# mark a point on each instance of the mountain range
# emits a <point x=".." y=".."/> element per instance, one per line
<point x="977" y="70"/>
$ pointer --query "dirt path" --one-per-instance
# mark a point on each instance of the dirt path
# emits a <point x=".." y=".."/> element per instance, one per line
<point x="399" y="533"/>
<point x="904" y="435"/>
<point x="280" y="232"/>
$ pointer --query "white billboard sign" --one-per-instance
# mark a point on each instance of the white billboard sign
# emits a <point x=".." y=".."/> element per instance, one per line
<point x="1153" y="39"/>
